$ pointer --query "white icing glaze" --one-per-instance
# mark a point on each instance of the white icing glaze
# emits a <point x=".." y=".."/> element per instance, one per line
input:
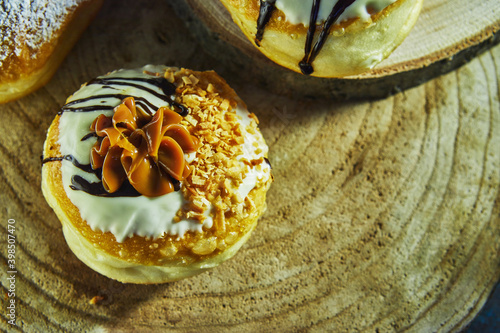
<point x="299" y="11"/>
<point x="143" y="216"/>
<point x="253" y="174"/>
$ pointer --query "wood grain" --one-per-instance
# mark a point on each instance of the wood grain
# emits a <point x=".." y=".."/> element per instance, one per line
<point x="384" y="215"/>
<point x="447" y="35"/>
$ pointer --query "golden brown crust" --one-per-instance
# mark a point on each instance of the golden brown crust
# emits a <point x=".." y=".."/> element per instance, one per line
<point x="28" y="68"/>
<point x="193" y="248"/>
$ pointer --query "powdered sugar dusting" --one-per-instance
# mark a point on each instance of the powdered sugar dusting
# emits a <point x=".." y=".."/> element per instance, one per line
<point x="30" y="23"/>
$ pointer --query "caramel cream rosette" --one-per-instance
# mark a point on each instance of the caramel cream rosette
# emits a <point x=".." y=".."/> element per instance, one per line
<point x="146" y="150"/>
<point x="325" y="38"/>
<point x="155" y="173"/>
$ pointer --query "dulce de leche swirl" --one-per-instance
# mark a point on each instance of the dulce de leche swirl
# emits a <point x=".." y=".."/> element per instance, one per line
<point x="146" y="150"/>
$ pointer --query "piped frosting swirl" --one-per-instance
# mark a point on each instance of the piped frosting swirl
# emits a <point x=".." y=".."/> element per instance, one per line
<point x="146" y="150"/>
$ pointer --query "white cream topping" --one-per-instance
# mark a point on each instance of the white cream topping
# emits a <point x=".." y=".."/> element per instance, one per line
<point x="299" y="11"/>
<point x="143" y="216"/>
<point x="249" y="147"/>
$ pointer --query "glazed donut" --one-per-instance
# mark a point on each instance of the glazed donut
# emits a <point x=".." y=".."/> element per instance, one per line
<point x="36" y="37"/>
<point x="156" y="173"/>
<point x="325" y="38"/>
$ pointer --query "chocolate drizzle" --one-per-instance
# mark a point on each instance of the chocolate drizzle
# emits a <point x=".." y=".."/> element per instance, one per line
<point x="310" y="52"/>
<point x="167" y="88"/>
<point x="305" y="66"/>
<point x="84" y="167"/>
<point x="88" y="136"/>
<point x="267" y="8"/>
<point x="79" y="183"/>
<point x="140" y="101"/>
<point x="268" y="162"/>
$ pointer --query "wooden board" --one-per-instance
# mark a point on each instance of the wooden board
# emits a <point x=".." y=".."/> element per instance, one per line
<point x="384" y="215"/>
<point x="446" y="35"/>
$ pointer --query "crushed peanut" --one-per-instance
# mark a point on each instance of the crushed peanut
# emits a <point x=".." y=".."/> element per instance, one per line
<point x="96" y="300"/>
<point x="216" y="170"/>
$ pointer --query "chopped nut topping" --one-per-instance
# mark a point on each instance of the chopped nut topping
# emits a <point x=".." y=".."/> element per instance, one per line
<point x="205" y="246"/>
<point x="217" y="170"/>
<point x="96" y="300"/>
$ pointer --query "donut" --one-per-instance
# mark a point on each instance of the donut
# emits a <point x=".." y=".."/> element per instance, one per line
<point x="156" y="173"/>
<point x="325" y="38"/>
<point x="36" y="37"/>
